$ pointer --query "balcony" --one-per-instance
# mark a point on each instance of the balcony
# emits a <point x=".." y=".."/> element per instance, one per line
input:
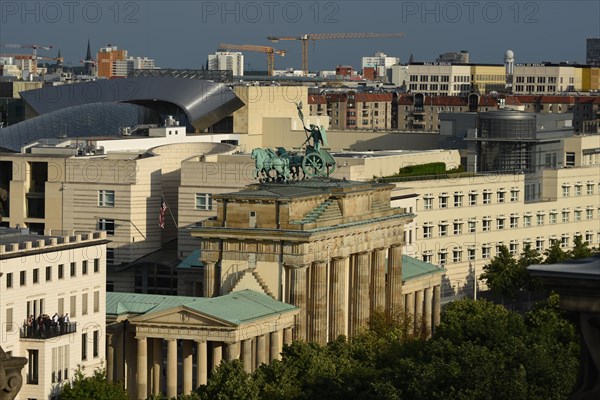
<point x="47" y="332"/>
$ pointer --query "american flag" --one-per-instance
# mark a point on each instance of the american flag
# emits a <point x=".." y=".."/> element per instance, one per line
<point x="161" y="214"/>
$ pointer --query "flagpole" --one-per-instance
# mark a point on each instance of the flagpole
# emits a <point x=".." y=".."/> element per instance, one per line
<point x="170" y="212"/>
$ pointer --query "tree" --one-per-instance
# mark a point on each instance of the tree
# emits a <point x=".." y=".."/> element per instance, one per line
<point x="229" y="382"/>
<point x="581" y="249"/>
<point x="502" y="274"/>
<point x="528" y="257"/>
<point x="555" y="254"/>
<point x="95" y="387"/>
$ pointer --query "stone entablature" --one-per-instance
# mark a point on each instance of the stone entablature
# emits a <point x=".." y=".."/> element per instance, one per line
<point x="49" y="243"/>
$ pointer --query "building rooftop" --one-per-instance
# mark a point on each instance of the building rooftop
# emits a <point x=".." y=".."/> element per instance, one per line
<point x="413" y="268"/>
<point x="236" y="308"/>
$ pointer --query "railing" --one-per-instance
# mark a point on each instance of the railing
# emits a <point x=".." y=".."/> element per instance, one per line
<point x="47" y="331"/>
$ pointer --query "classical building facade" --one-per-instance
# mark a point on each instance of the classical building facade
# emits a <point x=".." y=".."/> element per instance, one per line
<point x="333" y="248"/>
<point x="47" y="275"/>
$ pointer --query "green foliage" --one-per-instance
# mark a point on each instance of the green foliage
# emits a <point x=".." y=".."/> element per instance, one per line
<point x="580" y="249"/>
<point x="95" y="387"/>
<point x="423" y="169"/>
<point x="502" y="274"/>
<point x="555" y="254"/>
<point x="479" y="351"/>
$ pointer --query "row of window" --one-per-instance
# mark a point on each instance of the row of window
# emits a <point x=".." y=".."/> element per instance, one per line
<point x="49" y="273"/>
<point x="458" y="198"/>
<point x="577" y="189"/>
<point x="458" y="255"/>
<point x="503" y="222"/>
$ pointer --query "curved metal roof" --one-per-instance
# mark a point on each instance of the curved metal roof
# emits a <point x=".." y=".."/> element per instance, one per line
<point x="204" y="102"/>
<point x="86" y="120"/>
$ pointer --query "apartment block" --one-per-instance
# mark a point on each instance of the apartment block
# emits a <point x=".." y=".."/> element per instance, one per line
<point x="41" y="276"/>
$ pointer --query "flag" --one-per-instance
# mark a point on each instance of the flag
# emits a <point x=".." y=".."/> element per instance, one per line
<point x="161" y="214"/>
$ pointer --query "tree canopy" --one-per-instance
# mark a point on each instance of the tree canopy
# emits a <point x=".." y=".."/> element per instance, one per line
<point x="94" y="387"/>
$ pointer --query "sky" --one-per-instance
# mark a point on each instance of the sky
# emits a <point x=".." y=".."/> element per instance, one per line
<point x="180" y="34"/>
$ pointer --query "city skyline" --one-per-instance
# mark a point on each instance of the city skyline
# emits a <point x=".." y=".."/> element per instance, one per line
<point x="535" y="31"/>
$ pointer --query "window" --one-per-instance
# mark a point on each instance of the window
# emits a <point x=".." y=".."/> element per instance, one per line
<point x="107" y="225"/>
<point x="203" y="201"/>
<point x="443" y="228"/>
<point x="514" y="222"/>
<point x="514" y="196"/>
<point x="566" y="191"/>
<point x="487" y="224"/>
<point x="443" y="201"/>
<point x="570" y="159"/>
<point x="577" y="215"/>
<point x="36" y="275"/>
<point x="427" y="257"/>
<point x="110" y="256"/>
<point x="73" y="269"/>
<point x="106" y="198"/>
<point x="84" y="304"/>
<point x="589" y="213"/>
<point x="540" y="219"/>
<point x="84" y="346"/>
<point x="472" y="226"/>
<point x="61" y="271"/>
<point x="500" y="196"/>
<point x="96" y="344"/>
<point x="9" y="320"/>
<point x="23" y="278"/>
<point x="552" y="218"/>
<point x="589" y="237"/>
<point x="539" y="244"/>
<point x="471" y="254"/>
<point x="564" y="241"/>
<point x="565" y="216"/>
<point x="590" y="188"/>
<point x="458" y="199"/>
<point x="457" y="255"/>
<point x="472" y="199"/>
<point x="84" y="267"/>
<point x="32" y="367"/>
<point x="73" y="306"/>
<point x="578" y="190"/>
<point x="486" y="251"/>
<point x="48" y="274"/>
<point x="487" y="198"/>
<point x="527" y="220"/>
<point x="458" y="228"/>
<point x="513" y="248"/>
<point x="96" y="301"/>
<point x="427" y="230"/>
<point x="9" y="280"/>
<point x="500" y="223"/>
<point x="96" y="265"/>
<point x="427" y="203"/>
<point x="442" y="256"/>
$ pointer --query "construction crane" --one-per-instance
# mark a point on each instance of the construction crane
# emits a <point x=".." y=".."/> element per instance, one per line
<point x="33" y="55"/>
<point x="269" y="51"/>
<point x="323" y="36"/>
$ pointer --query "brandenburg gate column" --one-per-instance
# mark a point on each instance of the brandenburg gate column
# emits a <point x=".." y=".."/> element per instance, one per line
<point x="318" y="328"/>
<point x="419" y="312"/>
<point x="142" y="368"/>
<point x="362" y="272"/>
<point x="337" y="298"/>
<point x="427" y="312"/>
<point x="202" y="363"/>
<point x="156" y="364"/>
<point x="187" y="354"/>
<point x="378" y="279"/>
<point x="171" y="368"/>
<point x="297" y="297"/>
<point x="394" y="290"/>
<point x="261" y="350"/>
<point x="437" y="301"/>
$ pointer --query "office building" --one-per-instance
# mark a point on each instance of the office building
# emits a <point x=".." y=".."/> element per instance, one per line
<point x="227" y="60"/>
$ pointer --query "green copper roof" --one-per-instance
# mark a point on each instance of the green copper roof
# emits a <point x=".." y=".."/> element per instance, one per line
<point x="413" y="268"/>
<point x="236" y="308"/>
<point x="191" y="261"/>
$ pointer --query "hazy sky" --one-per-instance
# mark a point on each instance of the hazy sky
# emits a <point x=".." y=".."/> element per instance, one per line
<point x="180" y="34"/>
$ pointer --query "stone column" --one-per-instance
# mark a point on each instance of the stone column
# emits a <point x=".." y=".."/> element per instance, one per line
<point x="288" y="335"/>
<point x="361" y="307"/>
<point x="337" y="298"/>
<point x="247" y="355"/>
<point x="217" y="353"/>
<point x="201" y="363"/>
<point x="232" y="351"/>
<point x="318" y="331"/>
<point x="437" y="305"/>
<point x="418" y="312"/>
<point x="156" y="365"/>
<point x="261" y="350"/>
<point x="378" y="279"/>
<point x="394" y="289"/>
<point x="410" y="307"/>
<point x="275" y="346"/>
<point x="142" y="368"/>
<point x="211" y="280"/>
<point x="298" y="298"/>
<point x="119" y="356"/>
<point x="427" y="312"/>
<point x="110" y="357"/>
<point x="171" y="368"/>
<point x="188" y="363"/>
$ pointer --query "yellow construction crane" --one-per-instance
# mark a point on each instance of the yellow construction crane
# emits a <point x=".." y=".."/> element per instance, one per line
<point x="34" y="55"/>
<point x="269" y="51"/>
<point x="322" y="36"/>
